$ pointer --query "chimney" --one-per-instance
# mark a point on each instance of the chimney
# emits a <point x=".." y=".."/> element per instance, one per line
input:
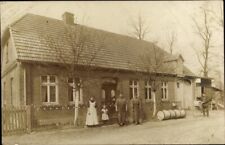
<point x="68" y="18"/>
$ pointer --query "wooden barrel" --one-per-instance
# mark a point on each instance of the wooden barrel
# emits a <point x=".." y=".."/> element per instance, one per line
<point x="172" y="114"/>
<point x="163" y="115"/>
<point x="177" y="112"/>
<point x="182" y="113"/>
<point x="167" y="114"/>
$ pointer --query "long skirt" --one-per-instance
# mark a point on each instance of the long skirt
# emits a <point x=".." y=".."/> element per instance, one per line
<point x="91" y="118"/>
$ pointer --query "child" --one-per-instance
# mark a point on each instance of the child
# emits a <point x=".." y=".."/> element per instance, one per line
<point x="105" y="116"/>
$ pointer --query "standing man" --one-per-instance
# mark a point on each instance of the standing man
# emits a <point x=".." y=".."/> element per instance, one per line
<point x="136" y="106"/>
<point x="205" y="104"/>
<point x="121" y="108"/>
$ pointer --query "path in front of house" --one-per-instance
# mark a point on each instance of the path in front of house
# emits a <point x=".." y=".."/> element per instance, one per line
<point x="192" y="130"/>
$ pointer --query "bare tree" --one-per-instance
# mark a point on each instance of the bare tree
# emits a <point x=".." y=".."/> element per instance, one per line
<point x="139" y="27"/>
<point x="155" y="65"/>
<point x="204" y="31"/>
<point x="75" y="55"/>
<point x="218" y="16"/>
<point x="172" y="38"/>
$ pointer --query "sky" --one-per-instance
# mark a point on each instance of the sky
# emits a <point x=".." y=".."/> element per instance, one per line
<point x="162" y="17"/>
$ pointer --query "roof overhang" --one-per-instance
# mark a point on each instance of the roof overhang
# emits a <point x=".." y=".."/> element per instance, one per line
<point x="97" y="68"/>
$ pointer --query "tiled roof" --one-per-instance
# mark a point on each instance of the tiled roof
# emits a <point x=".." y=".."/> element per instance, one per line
<point x="39" y="38"/>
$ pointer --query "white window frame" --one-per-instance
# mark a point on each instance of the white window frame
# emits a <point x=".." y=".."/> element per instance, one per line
<point x="148" y="87"/>
<point x="48" y="84"/>
<point x="164" y="87"/>
<point x="178" y="85"/>
<point x="79" y="93"/>
<point x="133" y="87"/>
<point x="103" y="94"/>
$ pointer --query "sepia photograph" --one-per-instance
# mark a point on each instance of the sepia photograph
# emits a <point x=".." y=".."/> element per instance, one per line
<point x="112" y="72"/>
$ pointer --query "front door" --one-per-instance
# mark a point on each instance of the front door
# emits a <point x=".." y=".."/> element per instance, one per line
<point x="109" y="96"/>
<point x="180" y="93"/>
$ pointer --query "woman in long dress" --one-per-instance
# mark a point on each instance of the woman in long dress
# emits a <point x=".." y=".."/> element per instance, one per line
<point x="91" y="118"/>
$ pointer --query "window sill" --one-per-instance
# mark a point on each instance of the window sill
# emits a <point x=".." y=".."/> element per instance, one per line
<point x="148" y="100"/>
<point x="48" y="107"/>
<point x="72" y="103"/>
<point x="165" y="100"/>
<point x="50" y="104"/>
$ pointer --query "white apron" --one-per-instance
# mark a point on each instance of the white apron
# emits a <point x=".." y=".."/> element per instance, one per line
<point x="91" y="118"/>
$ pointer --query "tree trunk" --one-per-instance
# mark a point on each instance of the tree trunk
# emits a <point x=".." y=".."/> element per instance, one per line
<point x="76" y="103"/>
<point x="154" y="104"/>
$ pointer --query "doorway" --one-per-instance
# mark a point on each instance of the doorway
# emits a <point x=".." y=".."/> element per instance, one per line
<point x="109" y="97"/>
<point x="109" y="90"/>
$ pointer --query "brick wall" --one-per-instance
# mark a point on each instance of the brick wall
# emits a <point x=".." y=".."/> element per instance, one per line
<point x="92" y="83"/>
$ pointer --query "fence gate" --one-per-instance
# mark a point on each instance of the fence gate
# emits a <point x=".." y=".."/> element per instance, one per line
<point x="15" y="120"/>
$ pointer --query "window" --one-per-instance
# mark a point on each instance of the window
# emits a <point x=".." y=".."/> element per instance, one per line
<point x="11" y="90"/>
<point x="103" y="94"/>
<point x="134" y="88"/>
<point x="148" y="90"/>
<point x="164" y="90"/>
<point x="75" y="85"/>
<point x="49" y="89"/>
<point x="178" y="85"/>
<point x="113" y="93"/>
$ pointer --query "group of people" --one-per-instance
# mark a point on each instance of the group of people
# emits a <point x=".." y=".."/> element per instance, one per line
<point x="120" y="107"/>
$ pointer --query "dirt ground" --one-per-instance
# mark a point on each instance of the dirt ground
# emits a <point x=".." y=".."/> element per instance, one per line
<point x="194" y="129"/>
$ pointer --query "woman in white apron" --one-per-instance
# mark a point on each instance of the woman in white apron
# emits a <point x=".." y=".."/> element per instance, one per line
<point x="92" y="118"/>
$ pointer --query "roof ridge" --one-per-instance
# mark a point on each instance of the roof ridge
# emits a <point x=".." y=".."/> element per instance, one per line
<point x="97" y="29"/>
<point x="19" y="19"/>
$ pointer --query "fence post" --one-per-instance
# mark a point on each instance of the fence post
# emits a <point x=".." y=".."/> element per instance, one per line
<point x="28" y="113"/>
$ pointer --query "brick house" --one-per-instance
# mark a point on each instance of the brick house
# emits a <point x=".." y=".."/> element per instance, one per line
<point x="33" y="75"/>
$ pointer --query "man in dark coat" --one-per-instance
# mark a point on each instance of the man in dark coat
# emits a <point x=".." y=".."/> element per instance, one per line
<point x="136" y="106"/>
<point x="205" y="104"/>
<point x="121" y="108"/>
